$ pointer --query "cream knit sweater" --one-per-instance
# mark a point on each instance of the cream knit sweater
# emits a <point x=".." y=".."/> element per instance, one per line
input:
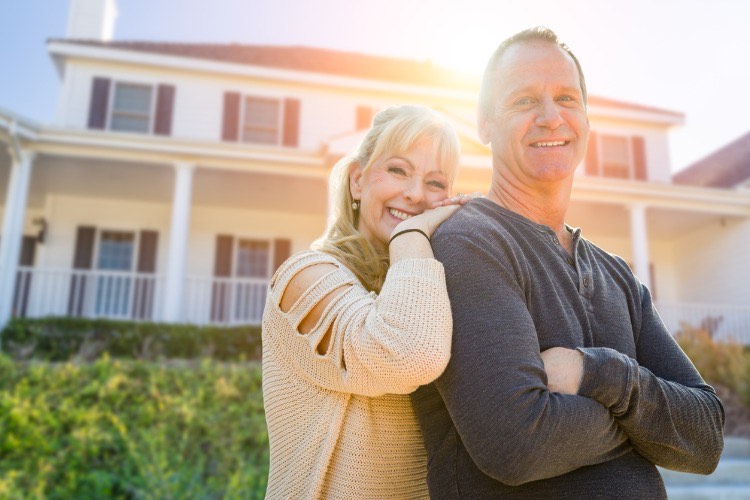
<point x="341" y="425"/>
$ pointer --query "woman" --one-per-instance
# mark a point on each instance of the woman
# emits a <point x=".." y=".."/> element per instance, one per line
<point x="344" y="342"/>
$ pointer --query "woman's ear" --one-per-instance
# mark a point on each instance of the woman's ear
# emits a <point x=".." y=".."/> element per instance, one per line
<point x="355" y="175"/>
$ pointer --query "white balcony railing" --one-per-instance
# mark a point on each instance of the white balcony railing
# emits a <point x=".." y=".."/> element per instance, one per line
<point x="225" y="301"/>
<point x="722" y="322"/>
<point x="236" y="301"/>
<point x="89" y="293"/>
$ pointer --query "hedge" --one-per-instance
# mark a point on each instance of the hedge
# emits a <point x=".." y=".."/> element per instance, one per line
<point x="65" y="338"/>
<point x="132" y="429"/>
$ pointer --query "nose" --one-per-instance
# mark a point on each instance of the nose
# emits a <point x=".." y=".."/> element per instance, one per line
<point x="414" y="191"/>
<point x="549" y="115"/>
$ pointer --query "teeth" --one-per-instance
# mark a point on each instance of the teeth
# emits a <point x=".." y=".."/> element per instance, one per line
<point x="399" y="214"/>
<point x="549" y="144"/>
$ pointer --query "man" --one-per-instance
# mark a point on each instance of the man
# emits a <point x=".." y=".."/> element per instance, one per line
<point x="611" y="395"/>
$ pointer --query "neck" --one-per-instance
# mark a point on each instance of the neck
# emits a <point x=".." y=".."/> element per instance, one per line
<point x="545" y="204"/>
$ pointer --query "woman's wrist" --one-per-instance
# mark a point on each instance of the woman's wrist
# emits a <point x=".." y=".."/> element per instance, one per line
<point x="398" y="232"/>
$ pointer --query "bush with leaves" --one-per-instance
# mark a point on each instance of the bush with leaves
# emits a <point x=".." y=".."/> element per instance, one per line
<point x="132" y="429"/>
<point x="65" y="338"/>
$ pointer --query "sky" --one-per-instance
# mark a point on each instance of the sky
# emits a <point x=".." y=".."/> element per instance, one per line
<point x="690" y="56"/>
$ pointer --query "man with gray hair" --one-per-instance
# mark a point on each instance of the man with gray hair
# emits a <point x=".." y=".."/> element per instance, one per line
<point x="563" y="380"/>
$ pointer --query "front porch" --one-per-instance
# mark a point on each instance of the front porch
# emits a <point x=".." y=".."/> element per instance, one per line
<point x="208" y="300"/>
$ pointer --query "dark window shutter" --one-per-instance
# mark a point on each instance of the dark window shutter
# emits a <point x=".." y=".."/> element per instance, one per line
<point x="639" y="158"/>
<point x="221" y="290"/>
<point x="82" y="260"/>
<point x="364" y="117"/>
<point x="147" y="251"/>
<point x="592" y="155"/>
<point x="144" y="286"/>
<point x="99" y="101"/>
<point x="231" y="127"/>
<point x="84" y="249"/>
<point x="164" y="109"/>
<point x="23" y="277"/>
<point x="282" y="249"/>
<point x="291" y="122"/>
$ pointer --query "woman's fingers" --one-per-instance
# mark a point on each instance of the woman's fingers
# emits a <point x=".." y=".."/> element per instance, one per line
<point x="458" y="199"/>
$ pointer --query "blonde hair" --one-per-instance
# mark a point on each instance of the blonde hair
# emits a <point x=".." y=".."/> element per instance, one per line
<point x="394" y="131"/>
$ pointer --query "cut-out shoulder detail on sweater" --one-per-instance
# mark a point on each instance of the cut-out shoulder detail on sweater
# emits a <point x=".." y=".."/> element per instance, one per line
<point x="300" y="284"/>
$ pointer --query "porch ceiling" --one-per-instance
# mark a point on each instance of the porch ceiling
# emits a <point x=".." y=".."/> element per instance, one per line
<point x="610" y="220"/>
<point x="135" y="181"/>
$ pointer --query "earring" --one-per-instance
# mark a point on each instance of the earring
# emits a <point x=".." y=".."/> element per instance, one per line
<point x="355" y="205"/>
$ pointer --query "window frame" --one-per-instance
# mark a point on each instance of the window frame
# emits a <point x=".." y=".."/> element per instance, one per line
<point x="236" y="257"/>
<point x="153" y="89"/>
<point x="628" y="152"/>
<point x="243" y="126"/>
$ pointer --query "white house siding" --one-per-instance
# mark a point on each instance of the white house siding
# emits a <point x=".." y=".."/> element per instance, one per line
<point x="712" y="263"/>
<point x="325" y="113"/>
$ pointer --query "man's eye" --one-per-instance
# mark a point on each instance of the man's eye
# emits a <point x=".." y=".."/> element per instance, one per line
<point x="566" y="98"/>
<point x="524" y="101"/>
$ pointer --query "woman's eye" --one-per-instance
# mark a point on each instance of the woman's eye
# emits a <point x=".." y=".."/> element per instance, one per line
<point x="396" y="170"/>
<point x="437" y="184"/>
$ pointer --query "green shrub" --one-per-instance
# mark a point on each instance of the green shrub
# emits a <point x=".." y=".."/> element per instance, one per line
<point x="132" y="429"/>
<point x="65" y="338"/>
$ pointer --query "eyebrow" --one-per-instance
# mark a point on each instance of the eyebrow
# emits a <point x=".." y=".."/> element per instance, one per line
<point x="439" y="171"/>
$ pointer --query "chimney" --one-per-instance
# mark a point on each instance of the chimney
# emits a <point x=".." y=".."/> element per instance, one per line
<point x="92" y="20"/>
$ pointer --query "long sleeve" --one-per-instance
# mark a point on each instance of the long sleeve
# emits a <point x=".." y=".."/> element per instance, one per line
<point x="379" y="344"/>
<point x="671" y="416"/>
<point x="494" y="388"/>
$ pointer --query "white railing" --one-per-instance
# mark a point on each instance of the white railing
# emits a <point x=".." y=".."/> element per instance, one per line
<point x="224" y="301"/>
<point x="723" y="322"/>
<point x="235" y="301"/>
<point x="89" y="293"/>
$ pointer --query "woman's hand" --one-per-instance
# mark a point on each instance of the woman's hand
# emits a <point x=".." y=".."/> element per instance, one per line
<point x="458" y="199"/>
<point x="564" y="369"/>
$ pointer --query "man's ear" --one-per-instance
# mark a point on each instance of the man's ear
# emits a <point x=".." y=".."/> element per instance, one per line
<point x="483" y="128"/>
<point x="355" y="174"/>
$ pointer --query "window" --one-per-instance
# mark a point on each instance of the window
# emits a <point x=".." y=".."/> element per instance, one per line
<point x="242" y="267"/>
<point x="116" y="251"/>
<point x="260" y="120"/>
<point x="131" y="108"/>
<point x="616" y="157"/>
<point x="134" y="107"/>
<point x="253" y="259"/>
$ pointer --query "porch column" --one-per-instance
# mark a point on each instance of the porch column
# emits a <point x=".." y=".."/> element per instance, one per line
<point x="639" y="237"/>
<point x="178" y="242"/>
<point x="12" y="230"/>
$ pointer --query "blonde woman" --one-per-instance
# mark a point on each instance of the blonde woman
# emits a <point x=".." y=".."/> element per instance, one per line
<point x="355" y="325"/>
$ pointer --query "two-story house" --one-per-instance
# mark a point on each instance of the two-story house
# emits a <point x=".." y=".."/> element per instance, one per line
<point x="176" y="177"/>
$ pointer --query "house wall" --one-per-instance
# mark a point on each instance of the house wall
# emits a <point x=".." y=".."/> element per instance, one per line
<point x="712" y="264"/>
<point x="325" y="112"/>
<point x="66" y="213"/>
<point x="661" y="253"/>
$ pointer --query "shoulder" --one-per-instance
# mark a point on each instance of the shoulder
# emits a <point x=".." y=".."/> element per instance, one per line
<point x="302" y="272"/>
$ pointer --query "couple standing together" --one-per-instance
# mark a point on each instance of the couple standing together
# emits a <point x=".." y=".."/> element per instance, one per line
<point x="499" y="355"/>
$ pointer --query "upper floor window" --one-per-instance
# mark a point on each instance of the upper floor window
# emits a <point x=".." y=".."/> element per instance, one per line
<point x="133" y="107"/>
<point x="616" y="157"/>
<point x="260" y="120"/>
